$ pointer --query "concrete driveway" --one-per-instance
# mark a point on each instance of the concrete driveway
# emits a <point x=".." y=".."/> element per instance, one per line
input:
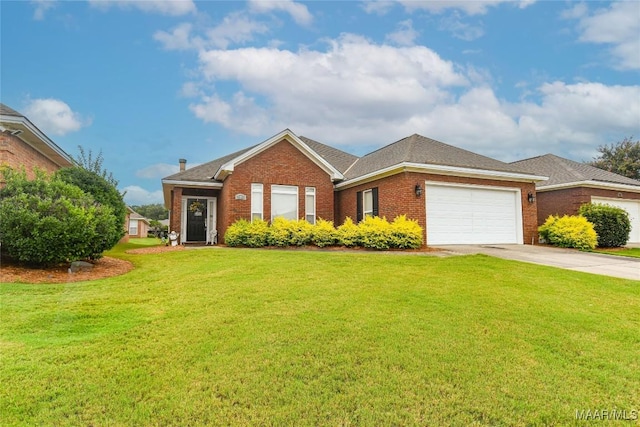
<point x="569" y="259"/>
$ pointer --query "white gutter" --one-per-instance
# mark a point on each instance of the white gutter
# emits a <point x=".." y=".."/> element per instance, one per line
<point x="192" y="183"/>
<point x="443" y="170"/>
<point x="34" y="130"/>
<point x="591" y="184"/>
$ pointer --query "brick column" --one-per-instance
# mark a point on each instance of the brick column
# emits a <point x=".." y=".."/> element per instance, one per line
<point x="176" y="210"/>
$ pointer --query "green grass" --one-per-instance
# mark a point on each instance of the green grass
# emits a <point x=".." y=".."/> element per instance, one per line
<point x="265" y="337"/>
<point x="631" y="252"/>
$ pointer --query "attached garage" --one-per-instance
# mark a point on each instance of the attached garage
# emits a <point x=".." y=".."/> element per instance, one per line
<point x="469" y="214"/>
<point x="632" y="207"/>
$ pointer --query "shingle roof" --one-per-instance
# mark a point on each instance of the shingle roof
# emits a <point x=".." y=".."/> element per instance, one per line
<point x="8" y="111"/>
<point x="206" y="171"/>
<point x="339" y="159"/>
<point x="564" y="171"/>
<point x="422" y="150"/>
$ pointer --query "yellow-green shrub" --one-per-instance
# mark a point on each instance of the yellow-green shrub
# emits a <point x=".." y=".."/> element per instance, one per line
<point x="324" y="234"/>
<point x="375" y="232"/>
<point x="405" y="233"/>
<point x="348" y="234"/>
<point x="569" y="232"/>
<point x="301" y="232"/>
<point x="279" y="232"/>
<point x="244" y="233"/>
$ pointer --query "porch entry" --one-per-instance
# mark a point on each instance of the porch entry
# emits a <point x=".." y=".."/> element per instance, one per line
<point x="199" y="219"/>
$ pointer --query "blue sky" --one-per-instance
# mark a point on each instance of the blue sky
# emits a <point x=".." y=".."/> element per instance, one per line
<point x="148" y="82"/>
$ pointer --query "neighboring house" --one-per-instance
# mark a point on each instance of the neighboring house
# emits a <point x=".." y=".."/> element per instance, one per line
<point x="572" y="184"/>
<point x="23" y="144"/>
<point x="137" y="225"/>
<point x="457" y="196"/>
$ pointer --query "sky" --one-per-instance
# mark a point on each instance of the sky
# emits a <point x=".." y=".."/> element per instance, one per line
<point x="149" y="82"/>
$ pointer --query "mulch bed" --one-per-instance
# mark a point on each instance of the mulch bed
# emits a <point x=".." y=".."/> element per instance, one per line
<point x="11" y="272"/>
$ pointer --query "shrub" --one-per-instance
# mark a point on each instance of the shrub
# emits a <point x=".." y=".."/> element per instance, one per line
<point x="47" y="221"/>
<point x="375" y="232"/>
<point x="405" y="233"/>
<point x="301" y="232"/>
<point x="611" y="223"/>
<point x="324" y="234"/>
<point x="104" y="193"/>
<point x="280" y="232"/>
<point x="569" y="232"/>
<point x="348" y="234"/>
<point x="237" y="233"/>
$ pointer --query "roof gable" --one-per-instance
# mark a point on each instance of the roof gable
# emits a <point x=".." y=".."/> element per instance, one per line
<point x="564" y="172"/>
<point x="227" y="168"/>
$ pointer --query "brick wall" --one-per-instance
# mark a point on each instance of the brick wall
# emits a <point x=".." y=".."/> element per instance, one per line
<point x="176" y="210"/>
<point x="567" y="201"/>
<point x="16" y="153"/>
<point x="281" y="164"/>
<point x="396" y="195"/>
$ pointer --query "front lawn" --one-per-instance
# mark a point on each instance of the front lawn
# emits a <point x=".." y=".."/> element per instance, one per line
<point x="266" y="337"/>
<point x="630" y="252"/>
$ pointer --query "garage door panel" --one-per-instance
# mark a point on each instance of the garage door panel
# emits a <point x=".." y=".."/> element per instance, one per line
<point x="633" y="209"/>
<point x="471" y="215"/>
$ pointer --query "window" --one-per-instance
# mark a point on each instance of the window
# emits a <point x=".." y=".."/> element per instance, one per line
<point x="284" y="201"/>
<point x="310" y="204"/>
<point x="133" y="227"/>
<point x="366" y="203"/>
<point x="256" y="202"/>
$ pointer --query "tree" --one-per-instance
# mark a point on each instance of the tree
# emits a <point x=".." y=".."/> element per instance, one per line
<point x="93" y="179"/>
<point x="155" y="211"/>
<point x="622" y="158"/>
<point x="46" y="221"/>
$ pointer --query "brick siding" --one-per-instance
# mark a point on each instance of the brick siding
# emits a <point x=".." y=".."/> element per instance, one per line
<point x="396" y="195"/>
<point x="567" y="201"/>
<point x="16" y="153"/>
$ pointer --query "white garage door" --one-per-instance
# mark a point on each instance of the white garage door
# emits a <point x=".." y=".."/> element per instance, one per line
<point x="632" y="207"/>
<point x="459" y="214"/>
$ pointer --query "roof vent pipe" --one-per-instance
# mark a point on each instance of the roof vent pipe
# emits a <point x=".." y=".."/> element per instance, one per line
<point x="183" y="164"/>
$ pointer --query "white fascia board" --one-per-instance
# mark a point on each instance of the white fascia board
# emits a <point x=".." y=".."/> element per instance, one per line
<point x="181" y="183"/>
<point x="591" y="184"/>
<point x="443" y="170"/>
<point x="227" y="168"/>
<point x="24" y="122"/>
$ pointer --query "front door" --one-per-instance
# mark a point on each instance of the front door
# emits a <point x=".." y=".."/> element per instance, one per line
<point x="196" y="220"/>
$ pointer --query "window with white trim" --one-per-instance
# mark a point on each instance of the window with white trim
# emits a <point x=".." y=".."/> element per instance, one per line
<point x="310" y="204"/>
<point x="256" y="202"/>
<point x="284" y="201"/>
<point x="367" y="203"/>
<point x="133" y="227"/>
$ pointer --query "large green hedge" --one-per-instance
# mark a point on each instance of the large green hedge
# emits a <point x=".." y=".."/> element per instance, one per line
<point x="46" y="221"/>
<point x="372" y="233"/>
<point x="611" y="223"/>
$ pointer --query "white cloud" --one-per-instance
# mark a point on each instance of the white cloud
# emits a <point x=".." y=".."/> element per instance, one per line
<point x="357" y="92"/>
<point x="476" y="7"/>
<point x="41" y="8"/>
<point x="159" y="170"/>
<point x="54" y="117"/>
<point x="297" y="11"/>
<point x="460" y="29"/>
<point x="617" y="26"/>
<point x="163" y="7"/>
<point x="179" y="38"/>
<point x="235" y="28"/>
<point x="405" y="35"/>
<point x="379" y="7"/>
<point x="136" y="195"/>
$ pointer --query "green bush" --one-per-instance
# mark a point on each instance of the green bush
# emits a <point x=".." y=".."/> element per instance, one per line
<point x="46" y="221"/>
<point x="324" y="234"/>
<point x="405" y="233"/>
<point x="611" y="223"/>
<point x="104" y="193"/>
<point x="348" y="234"/>
<point x="244" y="233"/>
<point x="375" y="232"/>
<point x="301" y="232"/>
<point x="569" y="232"/>
<point x="280" y="232"/>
